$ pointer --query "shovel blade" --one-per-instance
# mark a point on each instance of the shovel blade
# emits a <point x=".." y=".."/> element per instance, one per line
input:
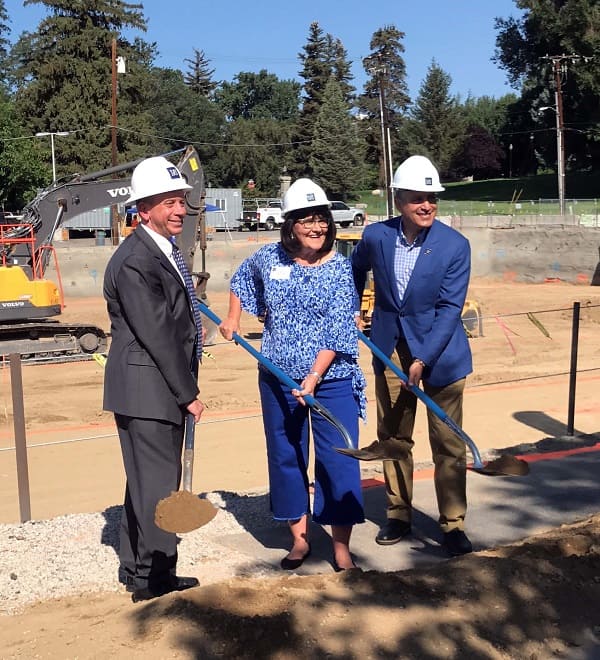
<point x="183" y="512"/>
<point x="376" y="451"/>
<point x="503" y="466"/>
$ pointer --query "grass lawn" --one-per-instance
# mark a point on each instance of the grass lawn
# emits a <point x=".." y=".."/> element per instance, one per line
<point x="534" y="194"/>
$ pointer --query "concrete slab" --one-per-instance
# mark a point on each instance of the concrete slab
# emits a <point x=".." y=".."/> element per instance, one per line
<point x="561" y="487"/>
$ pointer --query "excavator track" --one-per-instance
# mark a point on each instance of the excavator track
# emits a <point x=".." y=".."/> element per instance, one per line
<point x="44" y="342"/>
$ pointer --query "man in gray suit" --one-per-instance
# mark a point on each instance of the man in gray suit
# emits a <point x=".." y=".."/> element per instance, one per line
<point x="150" y="380"/>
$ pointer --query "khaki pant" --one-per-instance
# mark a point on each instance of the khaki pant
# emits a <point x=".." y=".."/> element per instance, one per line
<point x="396" y="408"/>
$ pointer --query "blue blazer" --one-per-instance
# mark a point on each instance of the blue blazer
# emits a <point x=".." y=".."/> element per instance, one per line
<point x="429" y="315"/>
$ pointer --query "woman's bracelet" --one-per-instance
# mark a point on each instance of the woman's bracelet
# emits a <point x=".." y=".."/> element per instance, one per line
<point x="317" y="374"/>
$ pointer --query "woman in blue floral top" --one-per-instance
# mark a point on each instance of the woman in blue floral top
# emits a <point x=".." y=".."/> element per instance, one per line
<point x="305" y="292"/>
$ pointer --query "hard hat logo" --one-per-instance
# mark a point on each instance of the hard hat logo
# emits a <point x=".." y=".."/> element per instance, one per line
<point x="174" y="172"/>
<point x="310" y="197"/>
<point x="428" y="181"/>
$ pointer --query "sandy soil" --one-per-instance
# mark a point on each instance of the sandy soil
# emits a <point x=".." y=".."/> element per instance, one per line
<point x="535" y="600"/>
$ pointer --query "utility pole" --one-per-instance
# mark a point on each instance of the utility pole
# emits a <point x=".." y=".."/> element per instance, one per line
<point x="386" y="149"/>
<point x="114" y="214"/>
<point x="559" y="70"/>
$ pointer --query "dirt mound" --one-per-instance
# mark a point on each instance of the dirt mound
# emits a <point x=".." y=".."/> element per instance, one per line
<point x="536" y="599"/>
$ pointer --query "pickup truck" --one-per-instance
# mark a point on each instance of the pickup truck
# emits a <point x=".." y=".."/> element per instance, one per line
<point x="261" y="214"/>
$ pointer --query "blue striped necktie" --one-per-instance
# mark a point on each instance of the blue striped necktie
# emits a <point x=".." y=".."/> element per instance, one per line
<point x="189" y="285"/>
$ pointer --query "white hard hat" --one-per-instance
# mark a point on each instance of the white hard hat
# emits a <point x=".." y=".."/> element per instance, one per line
<point x="154" y="176"/>
<point x="303" y="194"/>
<point x="417" y="173"/>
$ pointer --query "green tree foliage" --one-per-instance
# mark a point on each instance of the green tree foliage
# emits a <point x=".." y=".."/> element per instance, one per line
<point x="337" y="155"/>
<point x="182" y="116"/>
<point x="199" y="75"/>
<point x="387" y="70"/>
<point x="435" y="129"/>
<point x="322" y="57"/>
<point x="490" y="113"/>
<point x="259" y="96"/>
<point x="64" y="82"/>
<point x="254" y="149"/>
<point x="555" y="28"/>
<point x="21" y="172"/>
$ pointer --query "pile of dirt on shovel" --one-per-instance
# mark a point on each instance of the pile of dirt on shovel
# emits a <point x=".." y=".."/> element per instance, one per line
<point x="533" y="600"/>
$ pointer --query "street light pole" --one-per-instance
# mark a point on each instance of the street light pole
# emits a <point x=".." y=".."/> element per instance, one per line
<point x="45" y="134"/>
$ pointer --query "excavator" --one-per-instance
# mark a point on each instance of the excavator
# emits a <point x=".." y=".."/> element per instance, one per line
<point x="29" y="302"/>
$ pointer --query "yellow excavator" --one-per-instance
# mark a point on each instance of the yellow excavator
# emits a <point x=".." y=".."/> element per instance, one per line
<point x="28" y="301"/>
<point x="471" y="313"/>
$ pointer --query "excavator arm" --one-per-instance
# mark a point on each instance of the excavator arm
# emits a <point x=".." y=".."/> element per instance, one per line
<point x="26" y="299"/>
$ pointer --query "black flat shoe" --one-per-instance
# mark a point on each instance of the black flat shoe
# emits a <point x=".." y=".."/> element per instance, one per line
<point x="338" y="569"/>
<point x="392" y="532"/>
<point x="292" y="564"/>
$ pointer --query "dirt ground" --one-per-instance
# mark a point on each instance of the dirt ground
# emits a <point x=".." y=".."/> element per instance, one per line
<point x="536" y="599"/>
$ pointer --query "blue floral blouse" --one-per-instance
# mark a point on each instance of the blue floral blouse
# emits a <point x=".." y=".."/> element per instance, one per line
<point x="306" y="309"/>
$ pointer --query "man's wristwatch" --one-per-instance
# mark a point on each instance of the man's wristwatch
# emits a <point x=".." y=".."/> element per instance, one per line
<point x="419" y="361"/>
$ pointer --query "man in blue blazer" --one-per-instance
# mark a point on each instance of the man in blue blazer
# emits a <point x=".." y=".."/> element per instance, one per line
<point x="150" y="380"/>
<point x="421" y="273"/>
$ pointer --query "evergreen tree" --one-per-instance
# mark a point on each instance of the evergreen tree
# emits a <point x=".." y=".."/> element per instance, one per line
<point x="336" y="157"/>
<point x="4" y="43"/>
<point x="436" y="129"/>
<point x="386" y="68"/>
<point x="322" y="57"/>
<point x="64" y="82"/>
<point x="199" y="77"/>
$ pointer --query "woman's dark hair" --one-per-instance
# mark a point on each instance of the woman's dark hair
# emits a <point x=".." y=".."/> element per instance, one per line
<point x="288" y="240"/>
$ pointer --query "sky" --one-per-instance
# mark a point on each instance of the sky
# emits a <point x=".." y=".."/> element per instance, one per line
<point x="269" y="34"/>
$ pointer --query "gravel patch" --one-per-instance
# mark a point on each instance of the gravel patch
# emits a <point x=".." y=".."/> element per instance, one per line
<point x="71" y="554"/>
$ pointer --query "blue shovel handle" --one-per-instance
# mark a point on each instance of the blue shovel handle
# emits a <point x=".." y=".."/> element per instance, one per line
<point x="282" y="377"/>
<point x="427" y="400"/>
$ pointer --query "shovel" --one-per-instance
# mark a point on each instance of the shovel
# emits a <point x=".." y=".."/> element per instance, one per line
<point x="504" y="465"/>
<point x="284" y="378"/>
<point x="183" y="511"/>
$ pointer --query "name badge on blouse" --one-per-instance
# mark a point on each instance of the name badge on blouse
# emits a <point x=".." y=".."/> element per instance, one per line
<point x="280" y="273"/>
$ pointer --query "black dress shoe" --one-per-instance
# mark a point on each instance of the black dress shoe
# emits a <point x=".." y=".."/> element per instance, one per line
<point x="157" y="590"/>
<point x="392" y="532"/>
<point x="457" y="543"/>
<point x="292" y="564"/>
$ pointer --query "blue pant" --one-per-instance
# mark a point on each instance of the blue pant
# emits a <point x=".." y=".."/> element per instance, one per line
<point x="338" y="495"/>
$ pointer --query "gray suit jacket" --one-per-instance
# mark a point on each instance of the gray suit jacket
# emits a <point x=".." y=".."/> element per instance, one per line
<point x="149" y="367"/>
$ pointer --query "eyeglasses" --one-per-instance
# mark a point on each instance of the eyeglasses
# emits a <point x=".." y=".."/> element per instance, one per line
<point x="421" y="199"/>
<point x="312" y="220"/>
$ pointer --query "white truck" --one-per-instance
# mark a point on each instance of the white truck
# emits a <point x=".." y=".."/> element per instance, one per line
<point x="260" y="214"/>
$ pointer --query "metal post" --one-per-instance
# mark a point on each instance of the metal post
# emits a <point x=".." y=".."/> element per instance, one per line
<point x="16" y="382"/>
<point x="573" y="369"/>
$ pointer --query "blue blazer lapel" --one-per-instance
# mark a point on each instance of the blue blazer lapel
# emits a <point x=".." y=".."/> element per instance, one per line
<point x="388" y="252"/>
